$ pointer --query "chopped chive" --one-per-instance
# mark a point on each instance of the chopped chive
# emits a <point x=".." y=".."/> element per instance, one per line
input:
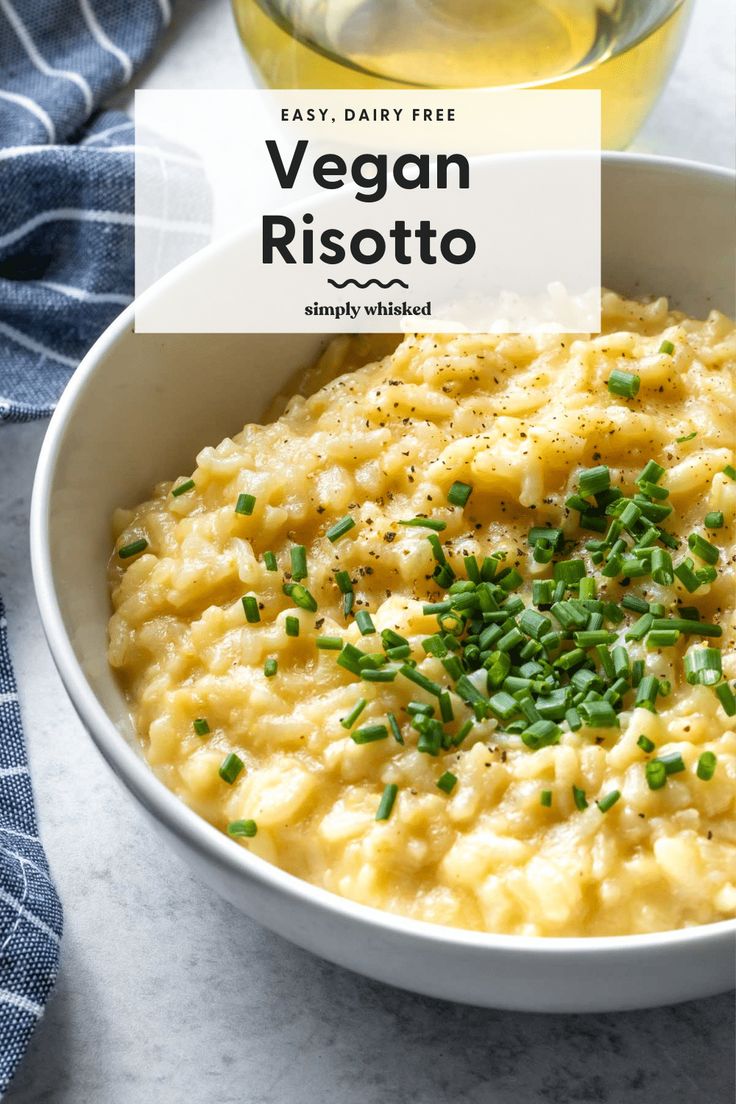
<point x="673" y="762"/>
<point x="459" y="493"/>
<point x="340" y="528"/>
<point x="369" y="734"/>
<point x="593" y="480"/>
<point x="386" y="803"/>
<point x="230" y="768"/>
<point x="686" y="437"/>
<point x="686" y="575"/>
<point x="383" y="674"/>
<point x="133" y="549"/>
<point x="424" y="523"/>
<point x="542" y="552"/>
<point x="300" y="596"/>
<point x="436" y="607"/>
<point x="703" y="548"/>
<point x="554" y="537"/>
<point x="621" y="666"/>
<point x="706" y="767"/>
<point x="270" y="561"/>
<point x="568" y="660"/>
<point x="652" y="472"/>
<point x="245" y="504"/>
<point x="633" y="602"/>
<point x="714" y="520"/>
<point x="503" y="706"/>
<point x="510" y="640"/>
<point x="652" y="490"/>
<point x="453" y="666"/>
<point x="344" y="582"/>
<point x="446" y="711"/>
<point x="667" y="348"/>
<point x="471" y="568"/>
<point x="640" y="628"/>
<point x="437" y="549"/>
<point x="365" y="623"/>
<point x="663" y="638"/>
<point x="270" y="667"/>
<point x="625" y="384"/>
<point x="200" y="726"/>
<point x="607" y="802"/>
<point x="292" y="626"/>
<point x="509" y="579"/>
<point x="578" y="796"/>
<point x="462" y="732"/>
<point x="703" y="666"/>
<point x="656" y="774"/>
<point x="646" y="744"/>
<point x="374" y="660"/>
<point x="187" y="485"/>
<point x="726" y="697"/>
<point x="329" y="643"/>
<point x="435" y="645"/>
<point x="250" y="606"/>
<point x="541" y="734"/>
<point x="242" y="828"/>
<point x="662" y="570"/>
<point x="431" y="735"/>
<point x="534" y="624"/>
<point x="647" y="690"/>
<point x="447" y="782"/>
<point x="349" y="720"/>
<point x="395" y="728"/>
<point x="421" y="680"/>
<point x="730" y="471"/>
<point x="545" y="798"/>
<point x="299" y="568"/>
<point x="598" y="714"/>
<point x="590" y="638"/>
<point x="392" y="639"/>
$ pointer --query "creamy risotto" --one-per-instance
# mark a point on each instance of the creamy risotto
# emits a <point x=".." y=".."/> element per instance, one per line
<point x="453" y="635"/>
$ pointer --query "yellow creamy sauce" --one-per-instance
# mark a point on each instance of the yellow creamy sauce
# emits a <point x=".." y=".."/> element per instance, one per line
<point x="518" y="418"/>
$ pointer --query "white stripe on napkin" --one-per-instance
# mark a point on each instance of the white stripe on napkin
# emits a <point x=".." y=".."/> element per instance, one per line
<point x="39" y="61"/>
<point x="85" y="296"/>
<point x="23" y="1003"/>
<point x="104" y="41"/>
<point x="17" y="832"/>
<point x="9" y="153"/>
<point x="36" y="346"/>
<point x="124" y="218"/>
<point x="28" y="916"/>
<point x="105" y="133"/>
<point x="72" y="214"/>
<point x="33" y="107"/>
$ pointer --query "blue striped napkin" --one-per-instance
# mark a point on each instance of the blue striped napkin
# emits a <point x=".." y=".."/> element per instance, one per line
<point x="66" y="270"/>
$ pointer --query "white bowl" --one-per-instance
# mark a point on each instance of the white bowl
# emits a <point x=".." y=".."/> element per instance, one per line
<point x="139" y="408"/>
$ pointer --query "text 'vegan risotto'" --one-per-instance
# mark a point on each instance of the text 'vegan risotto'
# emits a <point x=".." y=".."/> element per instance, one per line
<point x="453" y="636"/>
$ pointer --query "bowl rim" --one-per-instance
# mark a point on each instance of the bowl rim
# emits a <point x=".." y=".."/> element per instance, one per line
<point x="208" y="842"/>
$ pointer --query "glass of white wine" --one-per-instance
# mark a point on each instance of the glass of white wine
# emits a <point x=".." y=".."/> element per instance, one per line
<point x="624" y="47"/>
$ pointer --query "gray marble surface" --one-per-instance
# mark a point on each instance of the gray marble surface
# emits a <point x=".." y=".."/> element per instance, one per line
<point x="168" y="995"/>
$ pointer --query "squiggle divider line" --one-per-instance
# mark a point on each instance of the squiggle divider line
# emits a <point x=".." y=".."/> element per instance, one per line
<point x="357" y="283"/>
